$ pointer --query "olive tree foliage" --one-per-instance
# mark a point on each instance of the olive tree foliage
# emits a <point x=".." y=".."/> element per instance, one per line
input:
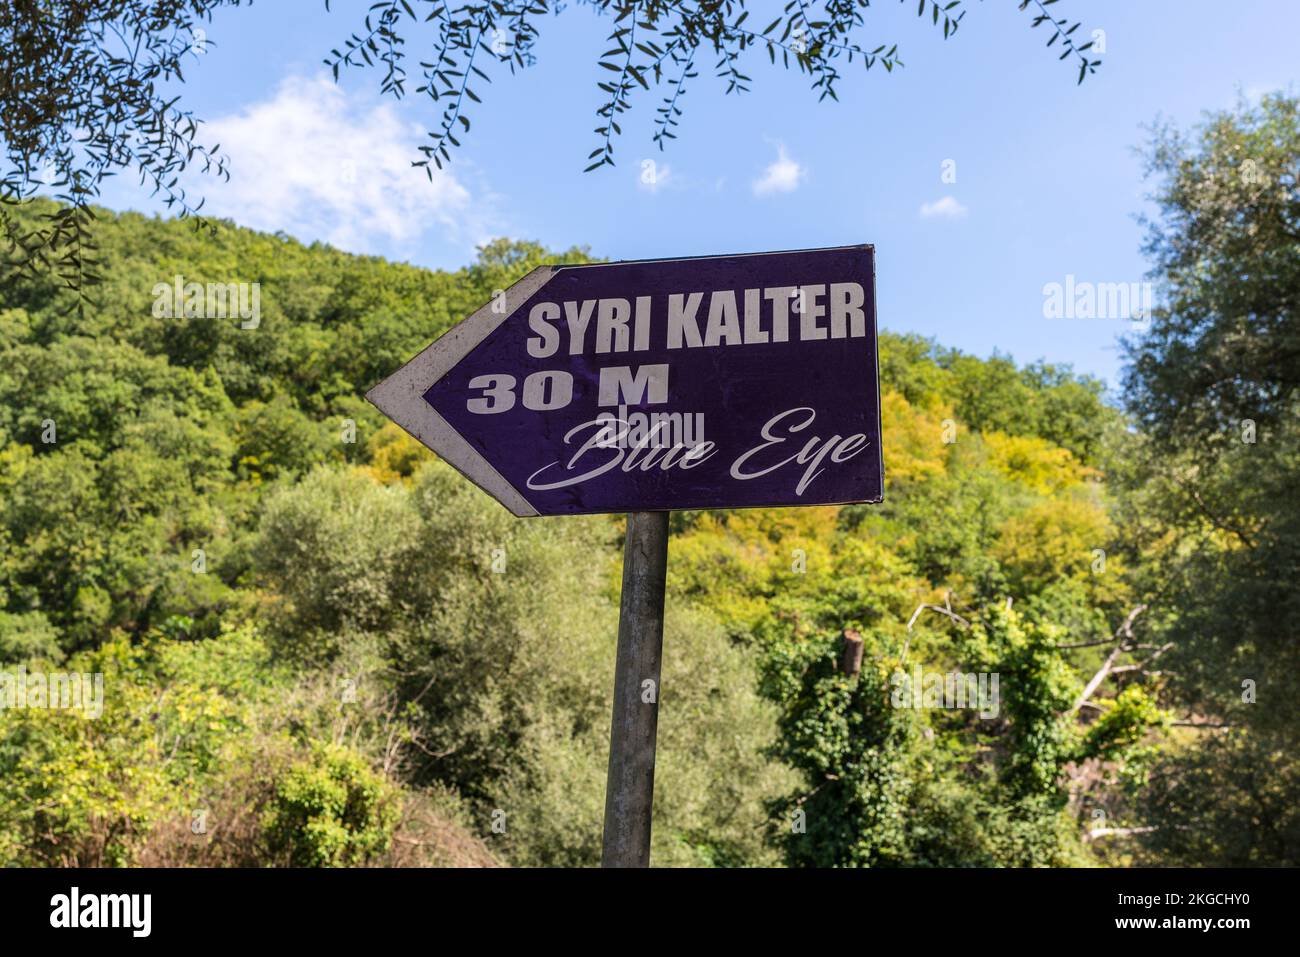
<point x="88" y="88"/>
<point x="664" y="43"/>
<point x="85" y="92"/>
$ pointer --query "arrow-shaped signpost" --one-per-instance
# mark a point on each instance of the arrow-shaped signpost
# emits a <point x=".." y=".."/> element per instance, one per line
<point x="643" y="387"/>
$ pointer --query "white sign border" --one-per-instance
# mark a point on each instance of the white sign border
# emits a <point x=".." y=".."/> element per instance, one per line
<point x="401" y="395"/>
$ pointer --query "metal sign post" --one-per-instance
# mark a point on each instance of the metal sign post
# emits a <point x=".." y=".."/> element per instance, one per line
<point x="644" y="387"/>
<point x="629" y="790"/>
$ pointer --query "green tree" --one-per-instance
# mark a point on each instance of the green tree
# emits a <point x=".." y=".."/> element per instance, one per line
<point x="1214" y="484"/>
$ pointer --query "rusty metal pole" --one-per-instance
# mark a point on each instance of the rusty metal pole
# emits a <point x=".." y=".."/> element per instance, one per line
<point x="629" y="789"/>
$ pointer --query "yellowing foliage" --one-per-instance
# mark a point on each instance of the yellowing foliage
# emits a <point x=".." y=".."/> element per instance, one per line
<point x="394" y="454"/>
<point x="1061" y="538"/>
<point x="1034" y="462"/>
<point x="913" y="437"/>
<point x="740" y="560"/>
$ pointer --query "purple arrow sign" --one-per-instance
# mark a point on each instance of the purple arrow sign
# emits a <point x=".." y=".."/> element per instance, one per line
<point x="724" y="382"/>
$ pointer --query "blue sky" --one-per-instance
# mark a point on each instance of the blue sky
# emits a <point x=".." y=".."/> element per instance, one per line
<point x="1047" y="182"/>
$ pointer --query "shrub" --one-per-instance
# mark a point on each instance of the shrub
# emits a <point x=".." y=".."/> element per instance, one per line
<point x="331" y="811"/>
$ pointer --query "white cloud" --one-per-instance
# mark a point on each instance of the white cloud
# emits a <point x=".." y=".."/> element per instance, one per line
<point x="781" y="176"/>
<point x="948" y="208"/>
<point x="319" y="163"/>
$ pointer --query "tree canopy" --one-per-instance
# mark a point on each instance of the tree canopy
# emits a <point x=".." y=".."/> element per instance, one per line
<point x="1215" y="501"/>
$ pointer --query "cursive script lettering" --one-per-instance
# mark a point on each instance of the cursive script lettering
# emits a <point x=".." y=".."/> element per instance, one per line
<point x="839" y="449"/>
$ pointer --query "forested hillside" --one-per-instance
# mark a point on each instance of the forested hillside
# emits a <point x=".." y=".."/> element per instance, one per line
<point x="322" y="646"/>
